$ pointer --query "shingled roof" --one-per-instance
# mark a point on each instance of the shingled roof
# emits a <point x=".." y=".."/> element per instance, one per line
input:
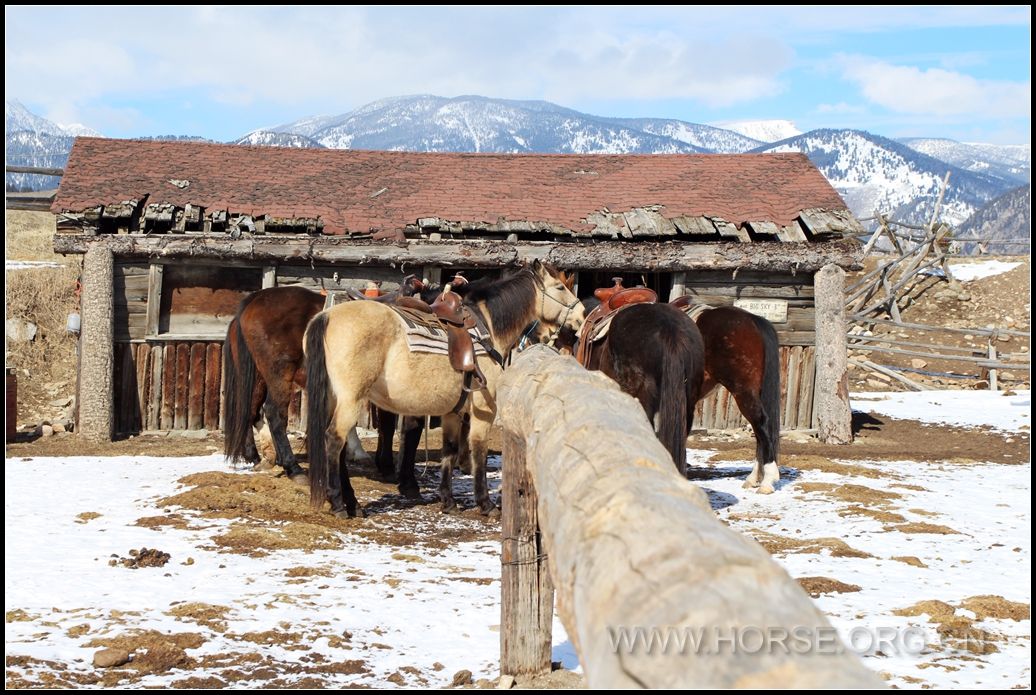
<point x="360" y="192"/>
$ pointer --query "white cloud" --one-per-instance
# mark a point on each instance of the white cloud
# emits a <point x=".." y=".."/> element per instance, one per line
<point x="936" y="91"/>
<point x="347" y="56"/>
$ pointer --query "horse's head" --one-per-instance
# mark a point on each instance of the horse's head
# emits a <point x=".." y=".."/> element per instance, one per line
<point x="559" y="306"/>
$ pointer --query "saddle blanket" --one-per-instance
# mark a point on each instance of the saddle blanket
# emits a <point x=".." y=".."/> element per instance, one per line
<point x="696" y="310"/>
<point x="425" y="333"/>
<point x="599" y="330"/>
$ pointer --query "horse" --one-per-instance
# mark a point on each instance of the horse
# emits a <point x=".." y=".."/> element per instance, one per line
<point x="742" y="354"/>
<point x="263" y="364"/>
<point x="358" y="352"/>
<point x="655" y="353"/>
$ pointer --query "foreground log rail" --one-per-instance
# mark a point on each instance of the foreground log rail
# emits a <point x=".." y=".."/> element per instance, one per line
<point x="594" y="509"/>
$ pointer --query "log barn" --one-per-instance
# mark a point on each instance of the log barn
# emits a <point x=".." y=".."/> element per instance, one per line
<point x="174" y="234"/>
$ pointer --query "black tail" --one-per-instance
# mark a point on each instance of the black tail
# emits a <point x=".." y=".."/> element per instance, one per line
<point x="672" y="402"/>
<point x="238" y="417"/>
<point x="771" y="392"/>
<point x="320" y="401"/>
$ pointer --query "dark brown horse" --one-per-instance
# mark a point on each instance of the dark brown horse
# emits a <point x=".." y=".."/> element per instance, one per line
<point x="655" y="353"/>
<point x="264" y="364"/>
<point x="742" y="354"/>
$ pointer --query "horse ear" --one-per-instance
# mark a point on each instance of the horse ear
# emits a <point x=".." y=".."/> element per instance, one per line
<point x="537" y="265"/>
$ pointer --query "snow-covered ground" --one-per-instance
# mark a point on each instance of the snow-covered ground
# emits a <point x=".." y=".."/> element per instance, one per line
<point x="966" y="271"/>
<point x="385" y="615"/>
<point x="1003" y="410"/>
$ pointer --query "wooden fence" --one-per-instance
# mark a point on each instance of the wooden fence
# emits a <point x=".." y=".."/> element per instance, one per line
<point x="594" y="509"/>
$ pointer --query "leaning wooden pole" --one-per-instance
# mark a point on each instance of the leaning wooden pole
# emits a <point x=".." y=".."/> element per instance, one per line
<point x="631" y="545"/>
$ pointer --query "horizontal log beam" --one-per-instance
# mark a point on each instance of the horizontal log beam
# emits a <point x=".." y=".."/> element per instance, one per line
<point x="631" y="544"/>
<point x="653" y="256"/>
<point x="43" y="171"/>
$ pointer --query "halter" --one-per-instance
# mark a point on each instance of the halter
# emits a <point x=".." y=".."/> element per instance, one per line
<point x="553" y="335"/>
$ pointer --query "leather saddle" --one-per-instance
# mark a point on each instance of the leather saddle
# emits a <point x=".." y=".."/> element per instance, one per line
<point x="613" y="299"/>
<point x="459" y="319"/>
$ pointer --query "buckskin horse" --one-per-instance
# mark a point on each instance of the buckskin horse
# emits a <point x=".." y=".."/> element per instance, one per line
<point x="263" y="364"/>
<point x="358" y="351"/>
<point x="655" y="353"/>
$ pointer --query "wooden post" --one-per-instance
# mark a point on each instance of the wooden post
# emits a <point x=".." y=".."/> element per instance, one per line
<point x="269" y="276"/>
<point x="97" y="359"/>
<point x="631" y="544"/>
<point x="834" y="416"/>
<point x="679" y="286"/>
<point x="154" y="299"/>
<point x="527" y="596"/>
<point x="993" y="386"/>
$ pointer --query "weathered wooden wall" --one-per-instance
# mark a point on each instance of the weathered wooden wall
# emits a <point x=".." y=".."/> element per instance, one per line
<point x="173" y="303"/>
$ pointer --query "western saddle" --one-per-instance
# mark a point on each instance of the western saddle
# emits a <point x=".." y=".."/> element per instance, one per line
<point x="613" y="299"/>
<point x="457" y="318"/>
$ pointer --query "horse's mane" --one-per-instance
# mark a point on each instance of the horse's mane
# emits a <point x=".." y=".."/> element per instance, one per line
<point x="508" y="299"/>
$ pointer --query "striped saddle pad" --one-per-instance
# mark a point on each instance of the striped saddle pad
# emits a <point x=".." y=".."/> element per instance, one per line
<point x="425" y="333"/>
<point x="599" y="330"/>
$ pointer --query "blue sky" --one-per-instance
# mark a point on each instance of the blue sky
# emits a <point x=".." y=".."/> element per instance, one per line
<point x="939" y="71"/>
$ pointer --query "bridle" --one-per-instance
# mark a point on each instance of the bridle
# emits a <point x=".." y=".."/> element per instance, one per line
<point x="553" y="335"/>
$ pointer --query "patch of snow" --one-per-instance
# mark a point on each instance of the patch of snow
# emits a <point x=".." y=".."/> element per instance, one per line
<point x="25" y="265"/>
<point x="976" y="270"/>
<point x="968" y="408"/>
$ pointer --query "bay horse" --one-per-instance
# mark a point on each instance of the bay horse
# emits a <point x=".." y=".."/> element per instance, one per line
<point x="263" y="364"/>
<point x="358" y="352"/>
<point x="742" y="354"/>
<point x="655" y="353"/>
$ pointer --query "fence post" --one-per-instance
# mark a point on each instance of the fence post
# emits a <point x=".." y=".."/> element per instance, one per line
<point x="527" y="595"/>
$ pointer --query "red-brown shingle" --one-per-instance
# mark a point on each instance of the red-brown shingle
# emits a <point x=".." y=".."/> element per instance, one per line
<point x="337" y="185"/>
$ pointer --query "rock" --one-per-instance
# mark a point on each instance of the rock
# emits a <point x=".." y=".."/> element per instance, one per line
<point x="195" y="434"/>
<point x="981" y="385"/>
<point x="462" y="677"/>
<point x="20" y="330"/>
<point x="1003" y="338"/>
<point x="61" y="402"/>
<point x="797" y="436"/>
<point x="109" y="658"/>
<point x="58" y="427"/>
<point x="506" y="682"/>
<point x="918" y="363"/>
<point x="45" y="430"/>
<point x="964" y="296"/>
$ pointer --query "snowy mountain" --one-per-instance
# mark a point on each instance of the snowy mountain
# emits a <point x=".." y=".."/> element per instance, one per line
<point x="17" y="117"/>
<point x="705" y="137"/>
<point x="763" y="131"/>
<point x="1011" y="162"/>
<point x="1008" y="218"/>
<point x="33" y="149"/>
<point x="34" y="141"/>
<point x="874" y="173"/>
<point x="479" y="124"/>
<point x="269" y="138"/>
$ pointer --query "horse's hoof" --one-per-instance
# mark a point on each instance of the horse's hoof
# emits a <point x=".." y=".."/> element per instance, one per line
<point x="387" y="477"/>
<point x="300" y="478"/>
<point x="411" y="493"/>
<point x="346" y="514"/>
<point x="450" y="508"/>
<point x="491" y="512"/>
<point x="749" y="484"/>
<point x="765" y="489"/>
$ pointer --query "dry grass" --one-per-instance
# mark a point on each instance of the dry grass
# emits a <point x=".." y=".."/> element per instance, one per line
<point x="45" y="297"/>
<point x="29" y="236"/>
